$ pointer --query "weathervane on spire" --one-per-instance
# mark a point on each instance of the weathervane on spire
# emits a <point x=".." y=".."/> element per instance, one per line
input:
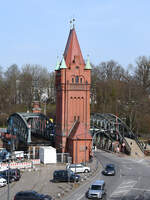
<point x="72" y="23"/>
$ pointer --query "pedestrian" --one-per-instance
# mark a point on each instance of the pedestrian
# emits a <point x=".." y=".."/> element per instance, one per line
<point x="123" y="147"/>
<point x="118" y="149"/>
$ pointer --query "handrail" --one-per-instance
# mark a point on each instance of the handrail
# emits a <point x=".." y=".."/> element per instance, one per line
<point x="76" y="122"/>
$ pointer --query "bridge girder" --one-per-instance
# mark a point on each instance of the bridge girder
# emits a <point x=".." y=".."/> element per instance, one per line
<point x="25" y="125"/>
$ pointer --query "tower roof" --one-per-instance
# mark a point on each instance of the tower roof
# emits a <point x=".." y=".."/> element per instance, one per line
<point x="57" y="65"/>
<point x="72" y="52"/>
<point x="88" y="65"/>
<point x="63" y="64"/>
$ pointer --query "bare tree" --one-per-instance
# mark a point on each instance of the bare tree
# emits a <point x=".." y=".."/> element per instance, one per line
<point x="142" y="72"/>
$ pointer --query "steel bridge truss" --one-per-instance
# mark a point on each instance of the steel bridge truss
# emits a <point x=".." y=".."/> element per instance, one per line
<point x="108" y="129"/>
<point x="25" y="125"/>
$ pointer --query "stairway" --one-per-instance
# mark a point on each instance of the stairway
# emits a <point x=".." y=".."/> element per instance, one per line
<point x="135" y="149"/>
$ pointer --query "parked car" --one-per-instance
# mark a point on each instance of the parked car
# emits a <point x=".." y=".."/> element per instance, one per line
<point x="65" y="176"/>
<point x="4" y="155"/>
<point x="78" y="168"/>
<point x="31" y="195"/>
<point x="3" y="182"/>
<point x="97" y="190"/>
<point x="14" y="175"/>
<point x="109" y="170"/>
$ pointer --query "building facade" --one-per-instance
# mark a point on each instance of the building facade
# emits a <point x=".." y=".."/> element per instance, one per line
<point x="73" y="81"/>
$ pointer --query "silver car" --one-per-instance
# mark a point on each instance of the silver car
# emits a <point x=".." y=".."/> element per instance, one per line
<point x="97" y="190"/>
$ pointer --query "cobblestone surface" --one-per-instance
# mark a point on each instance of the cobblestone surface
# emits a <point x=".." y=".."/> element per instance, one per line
<point x="40" y="180"/>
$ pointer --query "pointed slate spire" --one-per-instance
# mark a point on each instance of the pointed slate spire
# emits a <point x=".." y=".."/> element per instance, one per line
<point x="57" y="65"/>
<point x="88" y="65"/>
<point x="63" y="64"/>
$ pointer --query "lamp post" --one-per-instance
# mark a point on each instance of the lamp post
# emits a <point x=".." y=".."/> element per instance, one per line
<point x="8" y="189"/>
<point x="76" y="158"/>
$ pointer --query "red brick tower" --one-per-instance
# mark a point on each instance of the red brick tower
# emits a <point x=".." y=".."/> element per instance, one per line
<point x="73" y="80"/>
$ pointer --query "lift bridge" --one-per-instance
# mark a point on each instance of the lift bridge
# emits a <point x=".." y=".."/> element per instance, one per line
<point x="36" y="128"/>
<point x="108" y="130"/>
<point x="30" y="129"/>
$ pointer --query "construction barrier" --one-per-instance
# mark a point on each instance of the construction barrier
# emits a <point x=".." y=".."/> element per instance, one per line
<point x="20" y="165"/>
<point x="35" y="161"/>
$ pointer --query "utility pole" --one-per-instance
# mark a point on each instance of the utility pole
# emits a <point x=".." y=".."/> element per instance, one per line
<point x="8" y="189"/>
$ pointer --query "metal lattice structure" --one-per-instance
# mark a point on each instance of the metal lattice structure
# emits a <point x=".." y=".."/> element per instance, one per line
<point x="108" y="128"/>
<point x="26" y="125"/>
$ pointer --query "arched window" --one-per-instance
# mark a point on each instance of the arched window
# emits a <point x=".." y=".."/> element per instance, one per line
<point x="72" y="80"/>
<point x="77" y="79"/>
<point x="80" y="80"/>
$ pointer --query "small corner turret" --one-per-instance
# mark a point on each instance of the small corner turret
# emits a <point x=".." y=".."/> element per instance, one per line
<point x="57" y="65"/>
<point x="88" y="65"/>
<point x="63" y="64"/>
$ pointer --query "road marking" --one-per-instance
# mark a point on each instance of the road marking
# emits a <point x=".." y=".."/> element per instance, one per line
<point x="128" y="182"/>
<point x="81" y="197"/>
<point x="123" y="188"/>
<point x="142" y="189"/>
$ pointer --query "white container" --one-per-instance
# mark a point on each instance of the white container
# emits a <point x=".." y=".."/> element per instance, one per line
<point x="47" y="155"/>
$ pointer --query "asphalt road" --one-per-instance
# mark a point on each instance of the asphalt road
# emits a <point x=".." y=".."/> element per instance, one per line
<point x="131" y="182"/>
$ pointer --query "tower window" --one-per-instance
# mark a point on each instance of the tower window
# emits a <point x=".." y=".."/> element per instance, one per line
<point x="80" y="80"/>
<point x="72" y="80"/>
<point x="77" y="67"/>
<point x="77" y="79"/>
<point x="74" y="118"/>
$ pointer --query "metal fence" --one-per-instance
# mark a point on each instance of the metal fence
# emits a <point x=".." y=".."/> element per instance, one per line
<point x="64" y="158"/>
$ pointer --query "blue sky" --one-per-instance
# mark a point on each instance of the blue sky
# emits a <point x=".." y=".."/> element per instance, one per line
<point x="36" y="31"/>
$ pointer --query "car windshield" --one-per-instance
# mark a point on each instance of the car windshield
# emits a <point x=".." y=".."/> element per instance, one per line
<point x="110" y="167"/>
<point x="96" y="187"/>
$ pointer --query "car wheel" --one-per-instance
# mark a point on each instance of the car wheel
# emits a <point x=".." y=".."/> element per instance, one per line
<point x="86" y="171"/>
<point x="86" y="194"/>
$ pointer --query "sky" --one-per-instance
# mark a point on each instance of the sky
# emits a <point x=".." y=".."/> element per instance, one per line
<point x="36" y="31"/>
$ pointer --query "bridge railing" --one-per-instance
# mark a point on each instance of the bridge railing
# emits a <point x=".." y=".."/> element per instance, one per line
<point x="108" y="132"/>
<point x="131" y="133"/>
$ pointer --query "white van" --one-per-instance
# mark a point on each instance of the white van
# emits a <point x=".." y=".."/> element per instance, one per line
<point x="3" y="182"/>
